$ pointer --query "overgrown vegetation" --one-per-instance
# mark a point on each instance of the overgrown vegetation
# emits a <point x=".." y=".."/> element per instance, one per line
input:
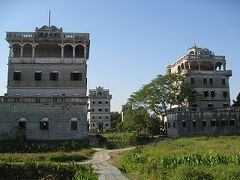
<point x="186" y="158"/>
<point x="45" y="170"/>
<point x="41" y="146"/>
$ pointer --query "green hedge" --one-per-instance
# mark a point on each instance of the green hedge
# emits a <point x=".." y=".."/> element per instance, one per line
<point x="45" y="170"/>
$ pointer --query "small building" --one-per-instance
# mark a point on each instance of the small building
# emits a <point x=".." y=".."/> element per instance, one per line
<point x="46" y="91"/>
<point x="99" y="112"/>
<point x="207" y="74"/>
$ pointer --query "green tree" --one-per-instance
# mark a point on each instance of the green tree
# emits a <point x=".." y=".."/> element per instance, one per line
<point x="237" y="102"/>
<point x="115" y="119"/>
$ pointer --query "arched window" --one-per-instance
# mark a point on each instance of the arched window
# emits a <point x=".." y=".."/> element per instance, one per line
<point x="74" y="122"/>
<point x="22" y="123"/>
<point x="194" y="65"/>
<point x="182" y="66"/>
<point x="16" y="50"/>
<point x="48" y="50"/>
<point x="207" y="66"/>
<point x="68" y="51"/>
<point x="44" y="123"/>
<point x="218" y="66"/>
<point x="27" y="50"/>
<point x="79" y="51"/>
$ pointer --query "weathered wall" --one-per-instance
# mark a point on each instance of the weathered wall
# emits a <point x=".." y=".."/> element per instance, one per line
<point x="175" y="121"/>
<point x="59" y="120"/>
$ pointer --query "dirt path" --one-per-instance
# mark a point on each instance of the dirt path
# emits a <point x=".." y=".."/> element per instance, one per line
<point x="103" y="169"/>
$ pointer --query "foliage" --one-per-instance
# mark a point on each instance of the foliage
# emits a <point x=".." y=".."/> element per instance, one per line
<point x="237" y="102"/>
<point x="186" y="158"/>
<point x="42" y="146"/>
<point x="163" y="92"/>
<point x="140" y="122"/>
<point x="44" y="170"/>
<point x="115" y="119"/>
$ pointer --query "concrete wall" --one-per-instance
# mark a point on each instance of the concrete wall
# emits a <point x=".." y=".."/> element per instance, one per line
<point x="175" y="121"/>
<point x="59" y="120"/>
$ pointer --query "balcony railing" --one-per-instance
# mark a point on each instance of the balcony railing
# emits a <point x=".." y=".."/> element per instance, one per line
<point x="197" y="57"/>
<point x="43" y="100"/>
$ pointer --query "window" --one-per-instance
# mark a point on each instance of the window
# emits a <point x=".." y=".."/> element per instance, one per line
<point x="17" y="76"/>
<point x="99" y="117"/>
<point x="73" y="125"/>
<point x="184" y="124"/>
<point x="232" y="122"/>
<point x="93" y="102"/>
<point x="211" y="81"/>
<point x="106" y="110"/>
<point x="225" y="94"/>
<point x="99" y="102"/>
<point x="223" y="122"/>
<point x="223" y="81"/>
<point x="106" y="102"/>
<point x="106" y="124"/>
<point x="93" y="117"/>
<point x="44" y="125"/>
<point x="22" y="125"/>
<point x="213" y="122"/>
<point x="212" y="93"/>
<point x="194" y="123"/>
<point x="76" y="76"/>
<point x="204" y="123"/>
<point x="225" y="105"/>
<point x="100" y="110"/>
<point x="169" y="125"/>
<point x="192" y="81"/>
<point x="106" y="117"/>
<point x="210" y="106"/>
<point x="204" y="80"/>
<point x="174" y="124"/>
<point x="93" y="124"/>
<point x="93" y="110"/>
<point x="54" y="76"/>
<point x="38" y="76"/>
<point x="205" y="93"/>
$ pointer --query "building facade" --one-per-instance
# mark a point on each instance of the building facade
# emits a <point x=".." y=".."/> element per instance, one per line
<point x="207" y="74"/>
<point x="99" y="115"/>
<point x="47" y="84"/>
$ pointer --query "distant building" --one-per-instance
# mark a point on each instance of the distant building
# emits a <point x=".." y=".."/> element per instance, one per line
<point x="207" y="74"/>
<point x="99" y="115"/>
<point x="47" y="84"/>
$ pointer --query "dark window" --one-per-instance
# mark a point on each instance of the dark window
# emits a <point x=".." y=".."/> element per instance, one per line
<point x="204" y="80"/>
<point x="223" y="81"/>
<point x="204" y="123"/>
<point x="223" y="123"/>
<point x="184" y="124"/>
<point x="106" y="110"/>
<point x="213" y="93"/>
<point x="232" y="122"/>
<point x="38" y="76"/>
<point x="22" y="125"/>
<point x="100" y="117"/>
<point x="93" y="110"/>
<point x="174" y="125"/>
<point x="225" y="105"/>
<point x="225" y="94"/>
<point x="106" y="117"/>
<point x="106" y="124"/>
<point x="100" y="110"/>
<point x="169" y="125"/>
<point x="93" y="102"/>
<point x="93" y="117"/>
<point x="44" y="125"/>
<point x="17" y="76"/>
<point x="106" y="102"/>
<point x="73" y="125"/>
<point x="211" y="81"/>
<point x="76" y="76"/>
<point x="99" y="102"/>
<point x="192" y="81"/>
<point x="213" y="123"/>
<point x="205" y="93"/>
<point x="194" y="123"/>
<point x="93" y="125"/>
<point x="53" y="76"/>
<point x="210" y="106"/>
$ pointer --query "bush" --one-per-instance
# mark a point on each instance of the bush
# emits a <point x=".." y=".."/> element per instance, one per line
<point x="43" y="170"/>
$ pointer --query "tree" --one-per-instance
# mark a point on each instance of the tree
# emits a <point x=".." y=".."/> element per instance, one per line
<point x="237" y="102"/>
<point x="115" y="119"/>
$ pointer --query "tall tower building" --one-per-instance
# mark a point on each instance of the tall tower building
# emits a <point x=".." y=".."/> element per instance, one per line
<point x="47" y="83"/>
<point x="207" y="74"/>
<point x="99" y="116"/>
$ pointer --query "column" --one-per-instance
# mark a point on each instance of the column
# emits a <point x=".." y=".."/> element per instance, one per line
<point x="62" y="51"/>
<point x="73" y="51"/>
<point x="33" y="51"/>
<point x="21" y="52"/>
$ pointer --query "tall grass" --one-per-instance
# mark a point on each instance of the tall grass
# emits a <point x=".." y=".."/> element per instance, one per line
<point x="202" y="156"/>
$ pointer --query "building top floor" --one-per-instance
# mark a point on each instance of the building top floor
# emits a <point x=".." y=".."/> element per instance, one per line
<point x="99" y="93"/>
<point x="197" y="59"/>
<point x="47" y="33"/>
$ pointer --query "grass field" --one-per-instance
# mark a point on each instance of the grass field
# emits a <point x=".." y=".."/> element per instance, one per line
<point x="184" y="158"/>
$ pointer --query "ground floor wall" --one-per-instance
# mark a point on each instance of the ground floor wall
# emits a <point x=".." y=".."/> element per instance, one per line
<point x="44" y="121"/>
<point x="215" y="122"/>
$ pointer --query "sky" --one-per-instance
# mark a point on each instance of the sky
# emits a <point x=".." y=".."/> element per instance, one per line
<point x="132" y="41"/>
